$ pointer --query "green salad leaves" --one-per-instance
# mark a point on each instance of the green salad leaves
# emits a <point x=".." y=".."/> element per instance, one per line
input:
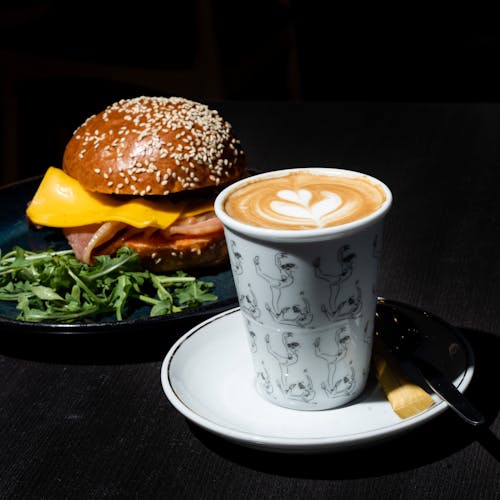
<point x="53" y="286"/>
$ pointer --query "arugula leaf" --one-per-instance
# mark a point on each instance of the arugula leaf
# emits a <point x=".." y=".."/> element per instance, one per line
<point x="54" y="286"/>
<point x="191" y="294"/>
<point x="45" y="293"/>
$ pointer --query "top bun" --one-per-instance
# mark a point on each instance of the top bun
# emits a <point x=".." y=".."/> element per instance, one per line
<point x="154" y="146"/>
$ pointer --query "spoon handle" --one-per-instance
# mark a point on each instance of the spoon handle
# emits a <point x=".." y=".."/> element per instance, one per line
<point x="449" y="393"/>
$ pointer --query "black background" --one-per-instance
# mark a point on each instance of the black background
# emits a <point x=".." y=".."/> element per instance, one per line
<point x="62" y="62"/>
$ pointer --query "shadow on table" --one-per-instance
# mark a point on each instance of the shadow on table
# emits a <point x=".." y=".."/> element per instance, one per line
<point x="432" y="442"/>
<point x="107" y="347"/>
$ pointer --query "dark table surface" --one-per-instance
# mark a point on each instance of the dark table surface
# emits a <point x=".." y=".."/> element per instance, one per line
<point x="86" y="417"/>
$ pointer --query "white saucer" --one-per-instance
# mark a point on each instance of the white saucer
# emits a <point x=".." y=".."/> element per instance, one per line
<point x="207" y="375"/>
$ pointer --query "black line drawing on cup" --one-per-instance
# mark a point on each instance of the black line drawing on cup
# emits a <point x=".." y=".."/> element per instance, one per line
<point x="264" y="380"/>
<point x="290" y="356"/>
<point x="349" y="307"/>
<point x="285" y="278"/>
<point x="302" y="390"/>
<point x="344" y="386"/>
<point x="251" y="338"/>
<point x="298" y="315"/>
<point x="237" y="259"/>
<point x="248" y="301"/>
<point x="249" y="304"/>
<point x="236" y="263"/>
<point x="289" y="314"/>
<point x="342" y="340"/>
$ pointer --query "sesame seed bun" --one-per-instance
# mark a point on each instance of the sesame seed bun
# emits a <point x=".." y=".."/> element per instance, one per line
<point x="154" y="146"/>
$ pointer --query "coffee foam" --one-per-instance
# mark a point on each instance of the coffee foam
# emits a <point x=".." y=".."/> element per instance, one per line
<point x="305" y="200"/>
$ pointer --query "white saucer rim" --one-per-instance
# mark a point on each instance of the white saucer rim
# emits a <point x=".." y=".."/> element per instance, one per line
<point x="291" y="443"/>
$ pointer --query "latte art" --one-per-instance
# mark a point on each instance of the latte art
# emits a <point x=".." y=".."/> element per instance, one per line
<point x="304" y="200"/>
<point x="298" y="205"/>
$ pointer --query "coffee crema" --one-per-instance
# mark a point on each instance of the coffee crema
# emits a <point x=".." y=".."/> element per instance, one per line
<point x="305" y="200"/>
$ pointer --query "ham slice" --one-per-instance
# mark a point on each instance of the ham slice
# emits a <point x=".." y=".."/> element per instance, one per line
<point x="198" y="225"/>
<point x="79" y="237"/>
<point x="84" y="239"/>
<point x="107" y="237"/>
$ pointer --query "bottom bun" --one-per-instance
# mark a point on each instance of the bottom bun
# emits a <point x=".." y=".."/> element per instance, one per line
<point x="180" y="253"/>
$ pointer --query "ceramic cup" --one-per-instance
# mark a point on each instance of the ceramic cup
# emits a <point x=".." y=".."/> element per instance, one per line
<point x="307" y="294"/>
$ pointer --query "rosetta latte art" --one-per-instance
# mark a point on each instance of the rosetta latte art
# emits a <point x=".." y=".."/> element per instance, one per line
<point x="303" y="200"/>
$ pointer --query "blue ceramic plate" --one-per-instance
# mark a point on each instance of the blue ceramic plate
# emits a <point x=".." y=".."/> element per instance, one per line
<point x="14" y="230"/>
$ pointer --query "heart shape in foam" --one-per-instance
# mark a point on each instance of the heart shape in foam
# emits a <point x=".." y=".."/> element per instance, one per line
<point x="302" y="196"/>
<point x="297" y="205"/>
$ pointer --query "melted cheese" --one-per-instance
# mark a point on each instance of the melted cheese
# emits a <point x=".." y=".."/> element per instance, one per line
<point x="61" y="201"/>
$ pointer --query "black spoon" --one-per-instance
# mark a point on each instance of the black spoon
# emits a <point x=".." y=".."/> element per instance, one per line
<point x="427" y="347"/>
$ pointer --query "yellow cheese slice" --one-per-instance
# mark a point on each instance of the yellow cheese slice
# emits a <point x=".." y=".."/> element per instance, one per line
<point x="61" y="201"/>
<point x="197" y="207"/>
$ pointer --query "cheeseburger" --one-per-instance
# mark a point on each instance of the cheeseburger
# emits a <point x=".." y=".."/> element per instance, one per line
<point x="144" y="173"/>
